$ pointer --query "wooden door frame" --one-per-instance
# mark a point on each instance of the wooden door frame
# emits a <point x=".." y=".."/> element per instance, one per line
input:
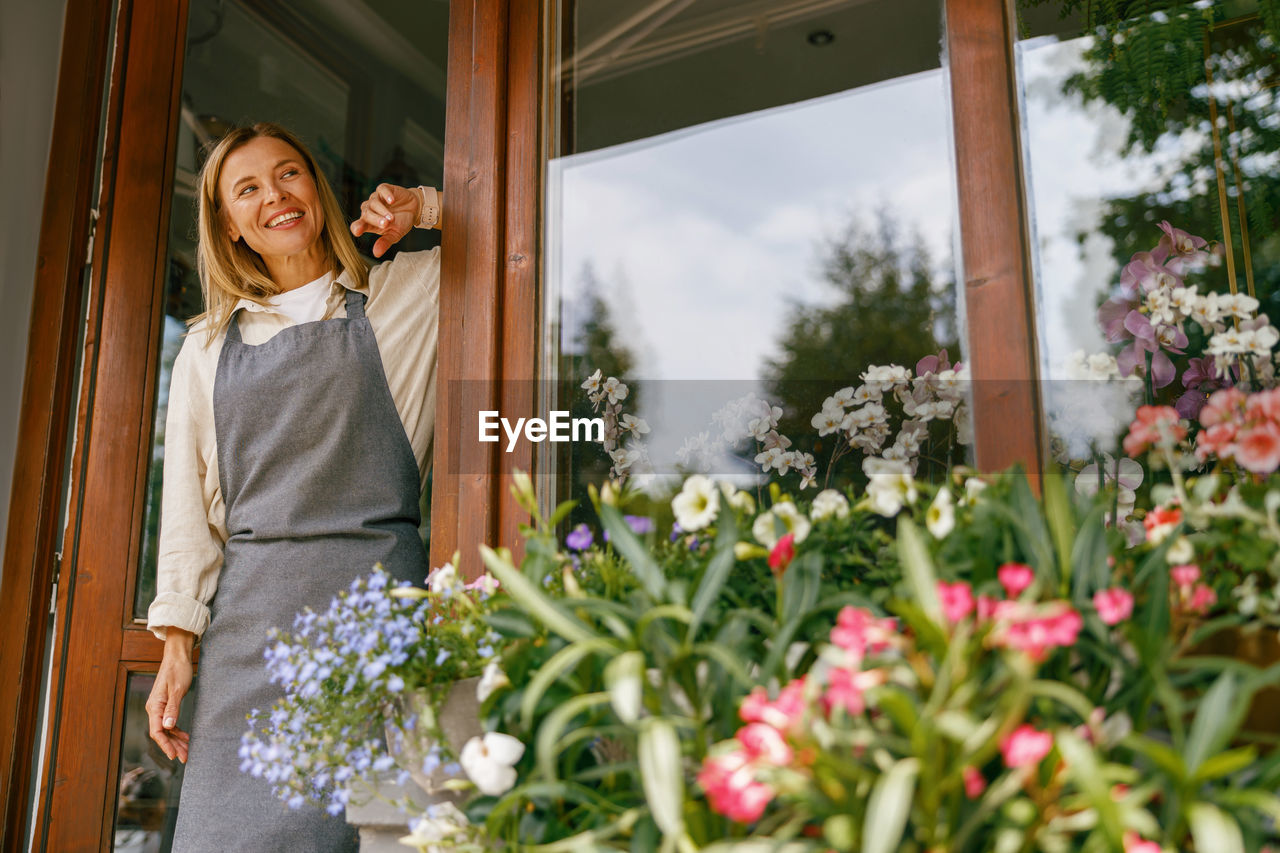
<point x="48" y="401"/>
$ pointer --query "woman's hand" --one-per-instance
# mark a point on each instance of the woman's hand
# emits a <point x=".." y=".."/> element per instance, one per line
<point x="391" y="211"/>
<point x="171" y="685"/>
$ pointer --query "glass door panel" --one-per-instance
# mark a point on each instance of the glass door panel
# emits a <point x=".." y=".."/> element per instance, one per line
<point x="1138" y="121"/>
<point x="361" y="83"/>
<point x="748" y="201"/>
<point x="147" y="794"/>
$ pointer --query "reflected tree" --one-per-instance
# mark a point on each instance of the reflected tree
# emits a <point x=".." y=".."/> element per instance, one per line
<point x="1170" y="68"/>
<point x="891" y="305"/>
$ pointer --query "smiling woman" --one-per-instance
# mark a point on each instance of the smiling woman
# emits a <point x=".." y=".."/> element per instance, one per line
<point x="295" y="451"/>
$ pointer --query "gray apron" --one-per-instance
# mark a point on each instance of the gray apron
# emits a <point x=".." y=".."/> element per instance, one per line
<point x="320" y="483"/>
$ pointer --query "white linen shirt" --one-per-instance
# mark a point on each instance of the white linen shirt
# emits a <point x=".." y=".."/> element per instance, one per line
<point x="402" y="306"/>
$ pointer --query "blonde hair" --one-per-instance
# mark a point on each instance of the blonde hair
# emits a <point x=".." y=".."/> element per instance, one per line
<point x="231" y="271"/>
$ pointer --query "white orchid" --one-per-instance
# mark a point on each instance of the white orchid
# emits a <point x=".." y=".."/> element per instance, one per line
<point x="827" y="421"/>
<point x="891" y="485"/>
<point x="490" y="762"/>
<point x="697" y="504"/>
<point x="444" y="579"/>
<point x="592" y="385"/>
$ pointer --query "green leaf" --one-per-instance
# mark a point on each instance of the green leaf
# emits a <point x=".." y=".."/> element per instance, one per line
<point x="1089" y="571"/>
<point x="1066" y="695"/>
<point x="554" y="725"/>
<point x="1226" y="763"/>
<point x="1082" y="764"/>
<point x="634" y="551"/>
<point x="918" y="567"/>
<point x="801" y="586"/>
<point x="561" y="512"/>
<point x="534" y="600"/>
<point x="1160" y="754"/>
<point x="890" y="805"/>
<point x="1264" y="802"/>
<point x="1215" y="722"/>
<point x="713" y="579"/>
<point x="662" y="775"/>
<point x="547" y="674"/>
<point x="1057" y="506"/>
<point x="1213" y="830"/>
<point x="624" y="679"/>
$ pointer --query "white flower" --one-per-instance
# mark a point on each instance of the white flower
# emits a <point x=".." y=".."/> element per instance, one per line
<point x="1264" y="338"/>
<point x="866" y="394"/>
<point x="765" y="527"/>
<point x="592" y="385"/>
<point x="1160" y="307"/>
<point x="1180" y="552"/>
<point x="615" y="390"/>
<point x="490" y="762"/>
<point x="1183" y="300"/>
<point x="866" y="416"/>
<point x="1205" y="311"/>
<point x="738" y="499"/>
<point x="842" y="398"/>
<point x="441" y="822"/>
<point x="1231" y="342"/>
<point x="1240" y="305"/>
<point x="443" y="579"/>
<point x="697" y="504"/>
<point x="941" y="517"/>
<point x="972" y="488"/>
<point x="773" y="457"/>
<point x="891" y="485"/>
<point x="637" y="425"/>
<point x="828" y="420"/>
<point x="490" y="680"/>
<point x="828" y="503"/>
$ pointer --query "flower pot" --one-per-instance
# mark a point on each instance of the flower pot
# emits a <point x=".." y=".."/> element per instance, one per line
<point x="1261" y="648"/>
<point x="459" y="720"/>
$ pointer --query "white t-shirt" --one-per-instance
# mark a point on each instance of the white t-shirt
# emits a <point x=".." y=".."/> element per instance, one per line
<point x="304" y="304"/>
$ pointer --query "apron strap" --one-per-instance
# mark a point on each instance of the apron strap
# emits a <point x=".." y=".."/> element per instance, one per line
<point x="233" y="327"/>
<point x="355" y="305"/>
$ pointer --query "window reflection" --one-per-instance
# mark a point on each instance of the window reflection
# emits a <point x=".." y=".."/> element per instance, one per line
<point x="1134" y="117"/>
<point x="749" y="199"/>
<point x="147" y="795"/>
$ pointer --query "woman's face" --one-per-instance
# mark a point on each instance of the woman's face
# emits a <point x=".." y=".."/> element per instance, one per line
<point x="270" y="199"/>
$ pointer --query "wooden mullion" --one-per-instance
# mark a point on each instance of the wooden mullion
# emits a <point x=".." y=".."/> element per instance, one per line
<point x="47" y="400"/>
<point x="519" y="294"/>
<point x="999" y="301"/>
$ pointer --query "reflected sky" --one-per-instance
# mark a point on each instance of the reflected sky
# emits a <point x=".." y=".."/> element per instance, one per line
<point x="726" y="220"/>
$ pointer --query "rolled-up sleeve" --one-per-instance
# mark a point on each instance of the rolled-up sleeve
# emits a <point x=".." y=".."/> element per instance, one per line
<point x="190" y="553"/>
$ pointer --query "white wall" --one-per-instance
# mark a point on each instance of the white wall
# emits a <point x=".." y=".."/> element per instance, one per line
<point x="30" y="41"/>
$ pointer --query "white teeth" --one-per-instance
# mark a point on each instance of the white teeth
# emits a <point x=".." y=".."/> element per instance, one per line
<point x="284" y="217"/>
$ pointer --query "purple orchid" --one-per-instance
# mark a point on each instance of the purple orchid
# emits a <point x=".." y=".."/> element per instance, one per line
<point x="933" y="364"/>
<point x="1152" y="339"/>
<point x="1201" y="379"/>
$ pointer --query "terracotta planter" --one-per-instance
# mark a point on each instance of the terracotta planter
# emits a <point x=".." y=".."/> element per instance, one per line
<point x="1260" y="648"/>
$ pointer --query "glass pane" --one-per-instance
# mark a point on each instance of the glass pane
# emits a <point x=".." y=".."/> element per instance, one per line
<point x="362" y="84"/>
<point x="1138" y="115"/>
<point x="748" y="198"/>
<point x="147" y="796"/>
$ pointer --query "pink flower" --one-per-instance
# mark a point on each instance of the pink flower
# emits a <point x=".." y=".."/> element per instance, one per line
<point x="1178" y="242"/>
<point x="1152" y="426"/>
<point x="1015" y="577"/>
<point x="1036" y="630"/>
<point x="1134" y="843"/>
<point x="732" y="789"/>
<point x="1114" y="605"/>
<point x="782" y="554"/>
<point x="1202" y="598"/>
<point x="845" y="688"/>
<point x="858" y="631"/>
<point x="1216" y="441"/>
<point x="785" y="713"/>
<point x="974" y="784"/>
<point x="986" y="607"/>
<point x="765" y="744"/>
<point x="1264" y="405"/>
<point x="1160" y="522"/>
<point x="957" y="600"/>
<point x="1258" y="449"/>
<point x="1223" y="406"/>
<point x="1185" y="575"/>
<point x="933" y="364"/>
<point x="1025" y="746"/>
